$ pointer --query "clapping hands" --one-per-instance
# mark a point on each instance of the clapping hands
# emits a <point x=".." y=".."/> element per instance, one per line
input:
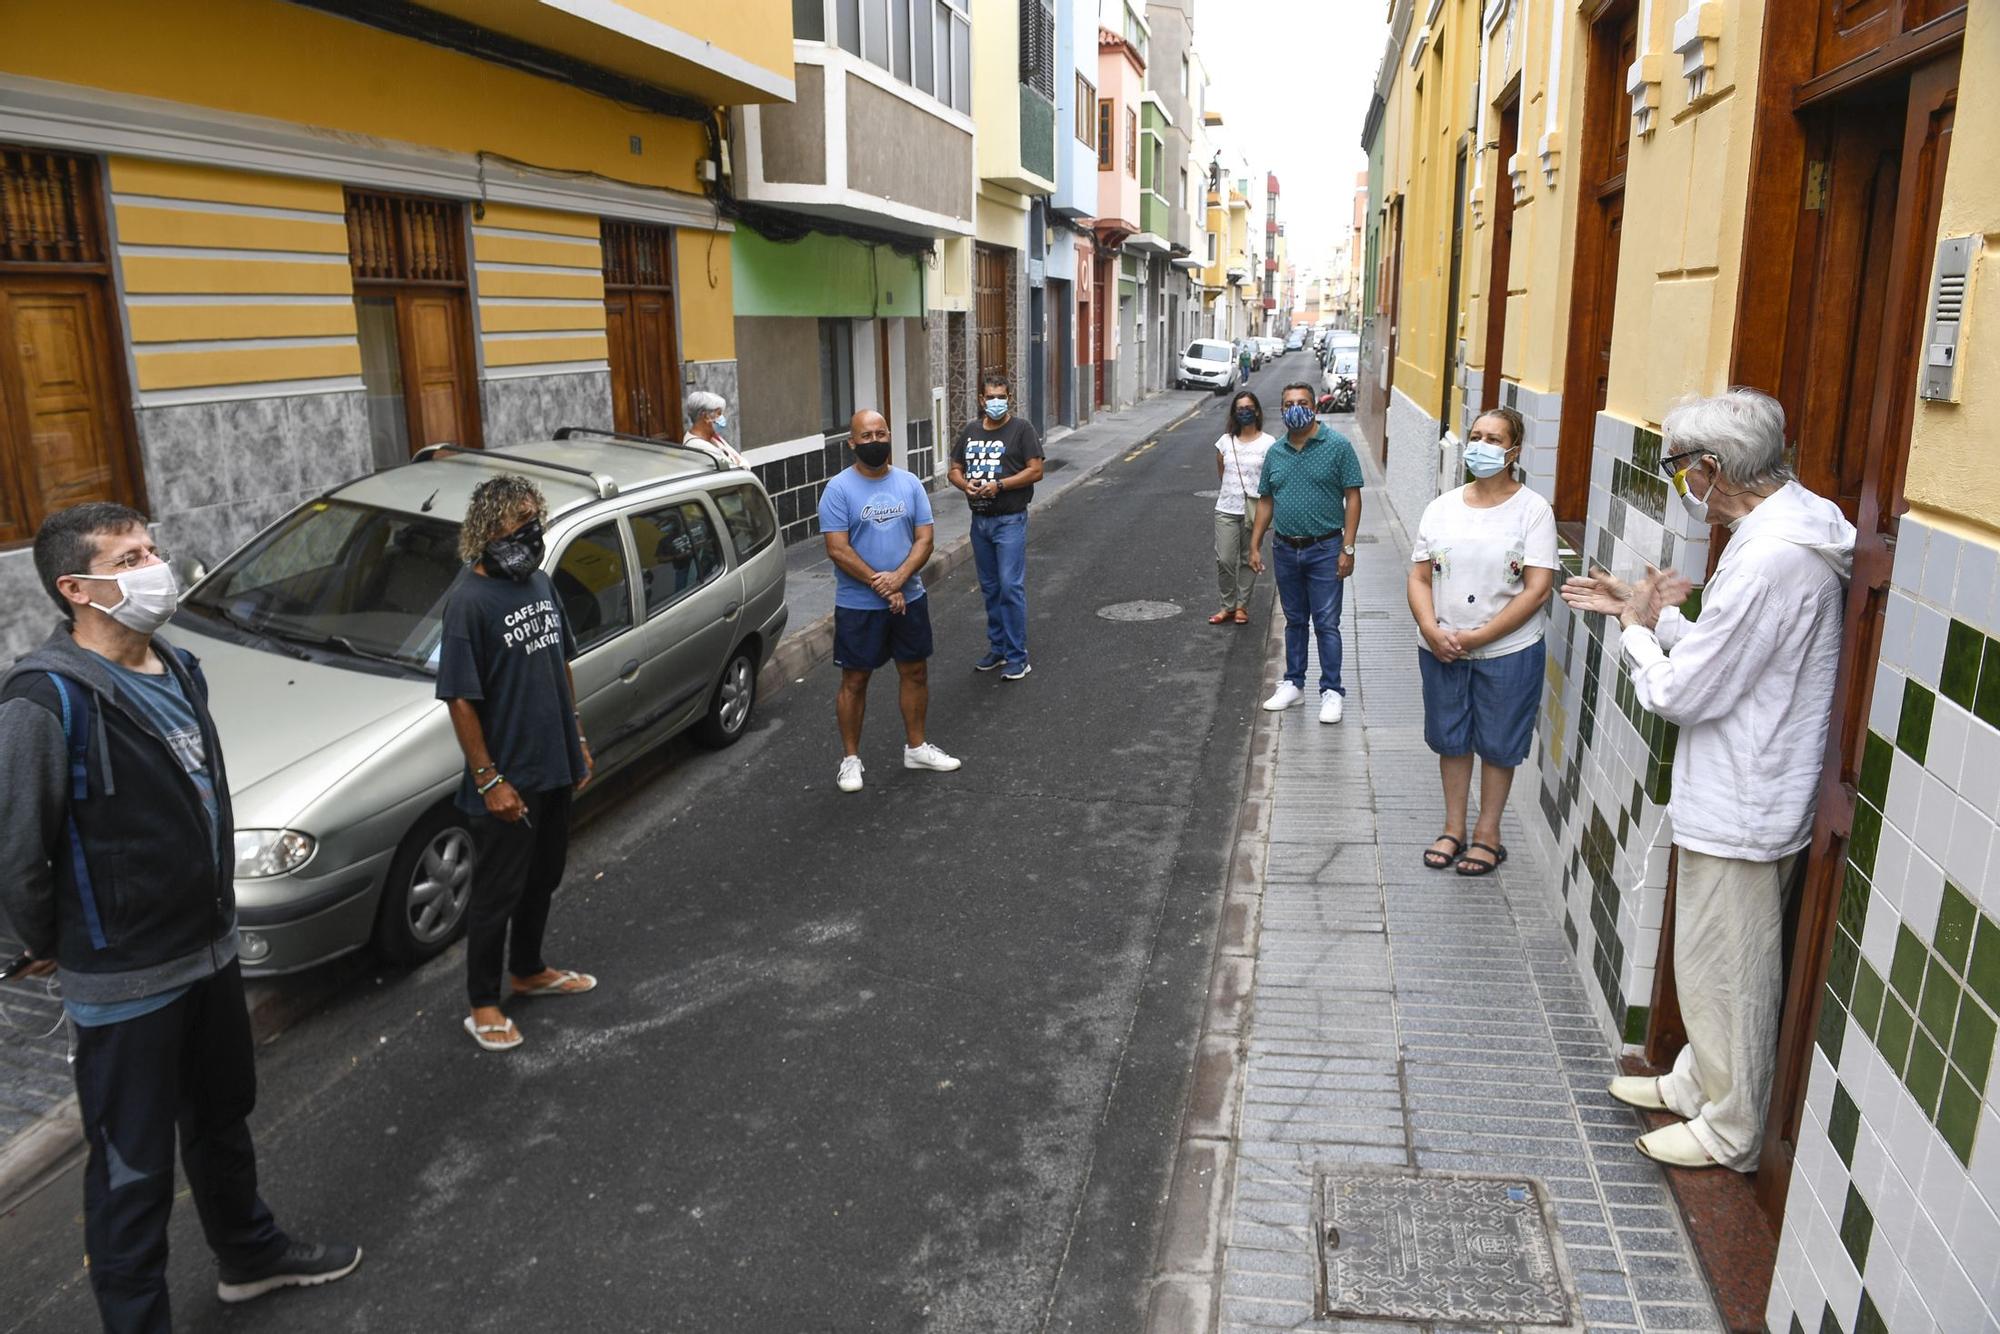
<point x="1602" y="592"/>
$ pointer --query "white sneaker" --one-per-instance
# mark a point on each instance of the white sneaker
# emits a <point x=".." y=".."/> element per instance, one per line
<point x="1330" y="705"/>
<point x="1283" y="697"/>
<point x="850" y="774"/>
<point x="928" y="756"/>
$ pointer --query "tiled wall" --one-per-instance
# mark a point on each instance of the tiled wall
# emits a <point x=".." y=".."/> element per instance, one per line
<point x="1606" y="764"/>
<point x="795" y="483"/>
<point x="1891" y="1221"/>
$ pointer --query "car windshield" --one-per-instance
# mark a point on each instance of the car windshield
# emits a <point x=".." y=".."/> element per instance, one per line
<point x="360" y="581"/>
<point x="1343" y="361"/>
<point x="1209" y="351"/>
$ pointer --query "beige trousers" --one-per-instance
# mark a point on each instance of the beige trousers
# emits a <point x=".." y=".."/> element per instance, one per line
<point x="1729" y="971"/>
<point x="1232" y="558"/>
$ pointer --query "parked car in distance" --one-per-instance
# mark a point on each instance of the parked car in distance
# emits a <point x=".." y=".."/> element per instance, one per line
<point x="1342" y="364"/>
<point x="1297" y="339"/>
<point x="319" y="637"/>
<point x="1208" y="363"/>
<point x="1273" y="348"/>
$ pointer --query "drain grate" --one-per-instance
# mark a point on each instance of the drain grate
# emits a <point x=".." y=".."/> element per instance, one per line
<point x="1139" y="611"/>
<point x="1436" y="1246"/>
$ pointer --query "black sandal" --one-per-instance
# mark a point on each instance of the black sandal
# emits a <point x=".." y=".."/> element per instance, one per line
<point x="1483" y="868"/>
<point x="1436" y="860"/>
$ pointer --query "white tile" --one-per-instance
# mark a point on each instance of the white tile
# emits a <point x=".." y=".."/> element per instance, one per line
<point x="1956" y="1302"/>
<point x="1975" y="1232"/>
<point x="1945" y="756"/>
<point x="1979" y="780"/>
<point x="1894" y="1205"/>
<point x="1819" y="1087"/>
<point x="1906" y="783"/>
<point x="1971" y="838"/>
<point x="1927" y="634"/>
<point x="1923" y="891"/>
<point x="1878" y="934"/>
<point x="1985" y="891"/>
<point x="1892" y="864"/>
<point x="1896" y="621"/>
<point x="1926" y="1256"/>
<point x="1935" y="805"/>
<point x="1837" y="1274"/>
<point x="1941" y="568"/>
<point x="1986" y="1156"/>
<point x="1887" y="1280"/>
<point x="1885" y="703"/>
<point x="1978" y="569"/>
<point x="1909" y="1138"/>
<point x="1912" y="543"/>
<point x="1944" y="1185"/>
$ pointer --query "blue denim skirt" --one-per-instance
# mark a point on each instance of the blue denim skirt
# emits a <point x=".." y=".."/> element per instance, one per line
<point x="1483" y="706"/>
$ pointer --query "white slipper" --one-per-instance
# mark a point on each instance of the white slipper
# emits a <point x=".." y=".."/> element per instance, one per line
<point x="561" y="986"/>
<point x="1676" y="1146"/>
<point x="479" y="1032"/>
<point x="1638" y="1091"/>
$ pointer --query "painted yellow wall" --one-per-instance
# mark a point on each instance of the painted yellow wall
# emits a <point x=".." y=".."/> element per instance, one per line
<point x="1952" y="481"/>
<point x="760" y="31"/>
<point x="996" y="87"/>
<point x="266" y="58"/>
<point x="950" y="283"/>
<point x="517" y="334"/>
<point x="704" y="285"/>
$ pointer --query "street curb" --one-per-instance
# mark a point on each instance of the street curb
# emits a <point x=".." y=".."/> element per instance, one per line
<point x="809" y="645"/>
<point x="1185" y="1294"/>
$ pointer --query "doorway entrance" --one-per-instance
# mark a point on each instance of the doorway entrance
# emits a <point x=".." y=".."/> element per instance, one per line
<point x="1497" y="276"/>
<point x="639" y="329"/>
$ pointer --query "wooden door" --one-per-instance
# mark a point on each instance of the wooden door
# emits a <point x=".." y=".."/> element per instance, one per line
<point x="639" y="328"/>
<point x="1925" y="127"/>
<point x="1605" y="299"/>
<point x="620" y="352"/>
<point x="1448" y="376"/>
<point x="990" y="310"/>
<point x="58" y="400"/>
<point x="437" y="368"/>
<point x="1497" y="276"/>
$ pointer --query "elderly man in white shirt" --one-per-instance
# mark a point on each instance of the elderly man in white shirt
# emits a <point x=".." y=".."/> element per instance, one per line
<point x="1750" y="684"/>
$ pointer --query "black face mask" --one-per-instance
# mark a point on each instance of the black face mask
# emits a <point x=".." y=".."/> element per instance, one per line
<point x="517" y="555"/>
<point x="872" y="453"/>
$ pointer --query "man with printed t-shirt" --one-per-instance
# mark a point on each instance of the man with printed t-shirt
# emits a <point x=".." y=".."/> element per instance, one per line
<point x="996" y="461"/>
<point x="876" y="519"/>
<point x="503" y="667"/>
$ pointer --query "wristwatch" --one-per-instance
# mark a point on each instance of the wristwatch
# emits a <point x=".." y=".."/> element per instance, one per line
<point x="1347" y="550"/>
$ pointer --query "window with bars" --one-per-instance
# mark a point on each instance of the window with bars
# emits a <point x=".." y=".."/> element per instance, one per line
<point x="404" y="238"/>
<point x="48" y="208"/>
<point x="636" y="255"/>
<point x="1107" y="140"/>
<point x="1038" y="47"/>
<point x="1086" y="114"/>
<point x="1131" y="142"/>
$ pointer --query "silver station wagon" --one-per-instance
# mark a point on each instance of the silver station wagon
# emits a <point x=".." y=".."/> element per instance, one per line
<point x="320" y="640"/>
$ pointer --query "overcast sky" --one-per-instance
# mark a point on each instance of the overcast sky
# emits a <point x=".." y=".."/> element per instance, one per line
<point x="1292" y="79"/>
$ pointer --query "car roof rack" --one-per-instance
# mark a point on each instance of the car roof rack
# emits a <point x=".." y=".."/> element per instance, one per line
<point x="605" y="487"/>
<point x="631" y="440"/>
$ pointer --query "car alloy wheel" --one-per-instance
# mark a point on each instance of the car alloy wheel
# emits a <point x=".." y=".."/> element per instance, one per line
<point x="440" y="885"/>
<point x="729" y="707"/>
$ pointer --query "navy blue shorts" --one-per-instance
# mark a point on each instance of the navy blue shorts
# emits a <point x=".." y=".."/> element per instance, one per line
<point x="864" y="638"/>
<point x="1483" y="706"/>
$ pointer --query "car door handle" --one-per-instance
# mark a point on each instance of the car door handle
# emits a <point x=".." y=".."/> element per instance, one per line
<point x="731" y="610"/>
<point x="629" y="670"/>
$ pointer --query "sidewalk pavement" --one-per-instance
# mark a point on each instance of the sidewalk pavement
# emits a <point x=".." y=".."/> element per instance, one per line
<point x="38" y="1121"/>
<point x="1411" y="1018"/>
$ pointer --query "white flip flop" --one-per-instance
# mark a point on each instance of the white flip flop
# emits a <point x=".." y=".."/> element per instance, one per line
<point x="479" y="1032"/>
<point x="561" y="986"/>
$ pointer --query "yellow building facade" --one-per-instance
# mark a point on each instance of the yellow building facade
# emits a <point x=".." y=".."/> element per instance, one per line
<point x="300" y="246"/>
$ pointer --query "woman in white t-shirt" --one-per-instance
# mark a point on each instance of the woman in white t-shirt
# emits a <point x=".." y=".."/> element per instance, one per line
<point x="707" y="416"/>
<point x="1483" y="566"/>
<point x="1239" y="462"/>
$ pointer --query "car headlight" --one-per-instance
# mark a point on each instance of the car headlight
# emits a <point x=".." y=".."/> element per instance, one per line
<point x="266" y="852"/>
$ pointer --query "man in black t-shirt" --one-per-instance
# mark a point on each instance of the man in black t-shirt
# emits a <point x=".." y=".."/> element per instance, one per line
<point x="503" y="665"/>
<point x="996" y="461"/>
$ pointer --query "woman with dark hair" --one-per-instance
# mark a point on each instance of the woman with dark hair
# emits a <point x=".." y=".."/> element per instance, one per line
<point x="1481" y="570"/>
<point x="1239" y="461"/>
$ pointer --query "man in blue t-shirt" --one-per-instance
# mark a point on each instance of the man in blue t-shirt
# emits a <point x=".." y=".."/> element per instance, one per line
<point x="876" y="519"/>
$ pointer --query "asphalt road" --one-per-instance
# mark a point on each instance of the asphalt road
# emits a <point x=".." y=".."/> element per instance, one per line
<point x="909" y="1059"/>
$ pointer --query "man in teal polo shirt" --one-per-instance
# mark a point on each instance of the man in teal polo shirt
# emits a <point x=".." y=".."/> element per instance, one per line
<point x="1309" y="495"/>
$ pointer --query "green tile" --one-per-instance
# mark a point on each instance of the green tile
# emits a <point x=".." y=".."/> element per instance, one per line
<point x="1827" y="1323"/>
<point x="1906" y="969"/>
<point x="1892" y="1036"/>
<point x="1875" y="758"/>
<point x="1955" y="922"/>
<point x="1844" y="1124"/>
<point x="1636" y="1019"/>
<point x="1842" y="966"/>
<point x="1854" y="894"/>
<point x="1958" y="679"/>
<point x="1925" y="1077"/>
<point x="1986" y="703"/>
<point x="1869" y="1320"/>
<point x="1958" y="1115"/>
<point x="1913" y="730"/>
<point x="1972" y="1042"/>
<point x="1832" y="1027"/>
<point x="1864" y="838"/>
<point x="1939" y="1006"/>
<point x="1868" y="998"/>
<point x="1984" y="970"/>
<point x="1795" y="1327"/>
<point x="1857" y="1228"/>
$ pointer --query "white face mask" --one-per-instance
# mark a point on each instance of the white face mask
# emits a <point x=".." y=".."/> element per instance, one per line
<point x="151" y="596"/>
<point x="1696" y="506"/>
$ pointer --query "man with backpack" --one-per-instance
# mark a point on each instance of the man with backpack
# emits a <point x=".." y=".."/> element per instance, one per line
<point x="117" y="868"/>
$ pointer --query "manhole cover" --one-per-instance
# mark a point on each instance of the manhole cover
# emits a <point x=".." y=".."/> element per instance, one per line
<point x="1209" y="494"/>
<point x="1436" y="1246"/>
<point x="1139" y="611"/>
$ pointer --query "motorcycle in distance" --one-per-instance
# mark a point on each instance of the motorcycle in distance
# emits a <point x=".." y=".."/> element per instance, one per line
<point x="1342" y="396"/>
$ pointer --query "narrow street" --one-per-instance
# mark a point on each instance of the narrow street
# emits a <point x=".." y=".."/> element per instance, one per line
<point x="914" y="1058"/>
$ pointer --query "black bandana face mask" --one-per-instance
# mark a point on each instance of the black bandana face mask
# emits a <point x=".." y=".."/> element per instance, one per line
<point x="518" y="554"/>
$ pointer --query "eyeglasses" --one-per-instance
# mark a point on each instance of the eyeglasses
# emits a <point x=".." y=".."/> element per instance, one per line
<point x="1673" y="463"/>
<point x="132" y="560"/>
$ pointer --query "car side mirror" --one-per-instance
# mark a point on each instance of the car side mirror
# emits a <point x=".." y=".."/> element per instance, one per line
<point x="189" y="568"/>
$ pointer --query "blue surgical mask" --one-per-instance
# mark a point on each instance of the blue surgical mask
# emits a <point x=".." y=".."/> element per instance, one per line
<point x="1483" y="458"/>
<point x="1246" y="416"/>
<point x="996" y="408"/>
<point x="721" y="421"/>
<point x="1298" y="416"/>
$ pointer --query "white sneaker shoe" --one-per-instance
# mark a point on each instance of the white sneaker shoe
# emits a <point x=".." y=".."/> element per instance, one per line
<point x="928" y="756"/>
<point x="1283" y="697"/>
<point x="850" y="774"/>
<point x="1330" y="705"/>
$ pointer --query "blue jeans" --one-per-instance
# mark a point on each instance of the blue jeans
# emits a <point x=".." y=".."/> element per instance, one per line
<point x="1310" y="587"/>
<point x="1000" y="551"/>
